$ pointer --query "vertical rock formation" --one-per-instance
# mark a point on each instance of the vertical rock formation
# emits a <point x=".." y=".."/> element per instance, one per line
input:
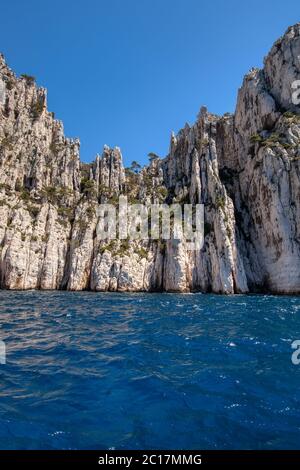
<point x="243" y="167"/>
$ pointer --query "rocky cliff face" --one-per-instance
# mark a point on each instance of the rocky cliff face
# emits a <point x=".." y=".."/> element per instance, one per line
<point x="245" y="169"/>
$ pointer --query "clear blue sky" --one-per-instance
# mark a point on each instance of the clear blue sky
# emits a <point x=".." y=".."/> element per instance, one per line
<point x="128" y="72"/>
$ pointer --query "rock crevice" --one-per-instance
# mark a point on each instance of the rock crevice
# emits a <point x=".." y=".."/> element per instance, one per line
<point x="244" y="167"/>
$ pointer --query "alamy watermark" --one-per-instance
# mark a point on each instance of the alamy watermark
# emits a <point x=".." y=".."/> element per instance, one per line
<point x="2" y="352"/>
<point x="296" y="92"/>
<point x="154" y="221"/>
<point x="296" y="353"/>
<point x="2" y="92"/>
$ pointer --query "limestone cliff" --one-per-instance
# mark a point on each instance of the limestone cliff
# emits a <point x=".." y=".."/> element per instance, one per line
<point x="245" y="169"/>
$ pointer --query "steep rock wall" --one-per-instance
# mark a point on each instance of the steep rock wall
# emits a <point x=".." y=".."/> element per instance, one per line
<point x="244" y="168"/>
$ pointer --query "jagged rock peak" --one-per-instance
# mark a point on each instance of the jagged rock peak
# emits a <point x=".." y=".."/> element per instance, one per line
<point x="244" y="167"/>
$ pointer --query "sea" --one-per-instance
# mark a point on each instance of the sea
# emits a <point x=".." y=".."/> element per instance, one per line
<point x="84" y="370"/>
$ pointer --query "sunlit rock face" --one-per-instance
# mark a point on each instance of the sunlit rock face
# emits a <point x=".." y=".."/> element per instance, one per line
<point x="243" y="167"/>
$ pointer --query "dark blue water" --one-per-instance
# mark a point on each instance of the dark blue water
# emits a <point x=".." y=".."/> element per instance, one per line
<point x="142" y="371"/>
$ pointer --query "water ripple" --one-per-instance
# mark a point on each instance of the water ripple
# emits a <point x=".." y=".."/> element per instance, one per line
<point x="123" y="371"/>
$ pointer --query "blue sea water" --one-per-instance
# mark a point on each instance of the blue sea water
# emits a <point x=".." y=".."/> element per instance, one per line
<point x="148" y="371"/>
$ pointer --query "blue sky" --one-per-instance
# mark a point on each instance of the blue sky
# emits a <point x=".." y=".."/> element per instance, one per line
<point x="128" y="72"/>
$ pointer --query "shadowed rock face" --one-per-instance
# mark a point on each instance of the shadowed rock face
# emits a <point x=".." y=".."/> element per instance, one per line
<point x="245" y="169"/>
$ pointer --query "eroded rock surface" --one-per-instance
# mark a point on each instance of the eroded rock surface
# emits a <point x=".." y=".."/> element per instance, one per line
<point x="244" y="168"/>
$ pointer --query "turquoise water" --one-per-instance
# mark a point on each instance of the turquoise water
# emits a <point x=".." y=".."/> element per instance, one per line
<point x="143" y="371"/>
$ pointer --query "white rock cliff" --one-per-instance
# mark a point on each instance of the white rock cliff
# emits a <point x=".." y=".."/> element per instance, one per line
<point x="244" y="168"/>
